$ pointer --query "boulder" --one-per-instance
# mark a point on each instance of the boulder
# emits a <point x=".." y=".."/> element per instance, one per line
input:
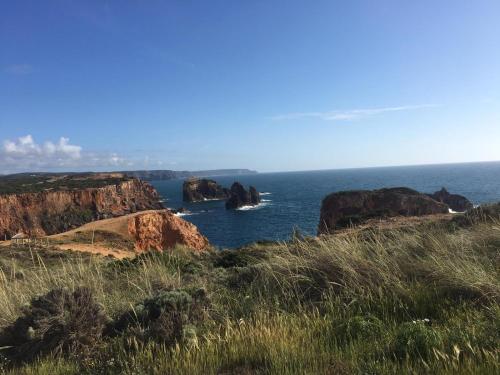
<point x="160" y="230"/>
<point x="197" y="190"/>
<point x="241" y="197"/>
<point x="343" y="209"/>
<point x="457" y="203"/>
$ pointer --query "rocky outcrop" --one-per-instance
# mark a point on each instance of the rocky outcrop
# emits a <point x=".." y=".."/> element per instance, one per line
<point x="457" y="203"/>
<point x="160" y="230"/>
<point x="49" y="212"/>
<point x="197" y="190"/>
<point x="342" y="209"/>
<point x="241" y="197"/>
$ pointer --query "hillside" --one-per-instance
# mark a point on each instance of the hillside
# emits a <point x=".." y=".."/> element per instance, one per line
<point x="49" y="204"/>
<point x="413" y="299"/>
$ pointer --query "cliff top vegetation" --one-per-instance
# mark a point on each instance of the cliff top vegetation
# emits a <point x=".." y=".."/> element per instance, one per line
<point x="37" y="182"/>
<point x="422" y="299"/>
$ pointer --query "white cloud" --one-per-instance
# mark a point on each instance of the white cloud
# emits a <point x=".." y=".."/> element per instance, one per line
<point x="349" y="115"/>
<point x="26" y="147"/>
<point x="25" y="154"/>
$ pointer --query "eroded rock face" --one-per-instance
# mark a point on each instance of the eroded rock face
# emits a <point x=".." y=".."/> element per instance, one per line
<point x="160" y="230"/>
<point x="241" y="197"/>
<point x="456" y="202"/>
<point x="342" y="209"/>
<point x="196" y="190"/>
<point x="50" y="212"/>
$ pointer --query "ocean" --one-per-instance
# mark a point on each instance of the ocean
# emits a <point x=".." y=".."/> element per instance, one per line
<point x="292" y="200"/>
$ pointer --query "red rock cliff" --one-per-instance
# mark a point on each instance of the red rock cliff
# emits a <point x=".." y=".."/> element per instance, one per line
<point x="50" y="212"/>
<point x="160" y="230"/>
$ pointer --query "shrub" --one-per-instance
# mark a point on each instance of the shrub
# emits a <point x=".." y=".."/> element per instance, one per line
<point x="231" y="258"/>
<point x="167" y="317"/>
<point x="60" y="322"/>
<point x="415" y="340"/>
<point x="361" y="327"/>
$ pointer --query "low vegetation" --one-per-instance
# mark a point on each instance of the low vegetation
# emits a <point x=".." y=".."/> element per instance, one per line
<point x="37" y="182"/>
<point x="414" y="300"/>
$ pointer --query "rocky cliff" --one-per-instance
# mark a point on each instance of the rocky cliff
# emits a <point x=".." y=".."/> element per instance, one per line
<point x="196" y="190"/>
<point x="457" y="203"/>
<point x="160" y="230"/>
<point x="53" y="211"/>
<point x="241" y="197"/>
<point x="342" y="209"/>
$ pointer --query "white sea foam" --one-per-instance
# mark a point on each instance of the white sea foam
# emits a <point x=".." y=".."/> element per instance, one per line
<point x="265" y="193"/>
<point x="180" y="214"/>
<point x="266" y="200"/>
<point x="253" y="207"/>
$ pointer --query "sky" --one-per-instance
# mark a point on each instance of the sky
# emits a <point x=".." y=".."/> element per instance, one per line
<point x="271" y="85"/>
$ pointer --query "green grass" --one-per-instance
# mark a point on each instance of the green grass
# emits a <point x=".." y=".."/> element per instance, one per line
<point x="37" y="182"/>
<point x="420" y="300"/>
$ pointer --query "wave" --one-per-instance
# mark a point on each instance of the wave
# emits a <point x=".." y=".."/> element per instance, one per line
<point x="251" y="207"/>
<point x="266" y="200"/>
<point x="180" y="214"/>
<point x="265" y="193"/>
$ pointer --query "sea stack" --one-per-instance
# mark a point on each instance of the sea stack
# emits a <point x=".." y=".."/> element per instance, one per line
<point x="198" y="190"/>
<point x="241" y="197"/>
<point x="457" y="203"/>
<point x="347" y="208"/>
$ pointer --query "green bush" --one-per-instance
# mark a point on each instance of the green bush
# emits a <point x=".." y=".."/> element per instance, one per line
<point x="415" y="340"/>
<point x="60" y="322"/>
<point x="360" y="327"/>
<point x="168" y="317"/>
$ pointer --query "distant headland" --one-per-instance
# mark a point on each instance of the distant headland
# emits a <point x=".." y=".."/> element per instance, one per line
<point x="165" y="174"/>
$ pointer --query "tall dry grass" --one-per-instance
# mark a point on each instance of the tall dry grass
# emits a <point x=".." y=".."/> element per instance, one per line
<point x="335" y="304"/>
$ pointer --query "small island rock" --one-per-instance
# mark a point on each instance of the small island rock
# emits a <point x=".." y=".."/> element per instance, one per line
<point x="457" y="203"/>
<point x="343" y="209"/>
<point x="197" y="190"/>
<point x="241" y="197"/>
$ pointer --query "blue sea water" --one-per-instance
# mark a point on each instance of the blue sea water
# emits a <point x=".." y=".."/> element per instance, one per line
<point x="292" y="200"/>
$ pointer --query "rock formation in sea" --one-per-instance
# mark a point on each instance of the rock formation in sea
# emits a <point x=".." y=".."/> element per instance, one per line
<point x="53" y="211"/>
<point x="241" y="197"/>
<point x="457" y="203"/>
<point x="343" y="209"/>
<point x="160" y="230"/>
<point x="197" y="190"/>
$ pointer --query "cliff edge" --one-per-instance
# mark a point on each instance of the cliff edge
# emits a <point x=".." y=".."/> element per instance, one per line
<point x="51" y="210"/>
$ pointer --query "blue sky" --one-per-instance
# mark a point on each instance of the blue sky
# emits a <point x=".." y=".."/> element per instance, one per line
<point x="267" y="85"/>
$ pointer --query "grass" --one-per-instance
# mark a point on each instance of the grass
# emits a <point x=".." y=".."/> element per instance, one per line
<point x="37" y="182"/>
<point x="414" y="300"/>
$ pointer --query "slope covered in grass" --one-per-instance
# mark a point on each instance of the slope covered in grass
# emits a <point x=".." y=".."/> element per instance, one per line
<point x="412" y="300"/>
